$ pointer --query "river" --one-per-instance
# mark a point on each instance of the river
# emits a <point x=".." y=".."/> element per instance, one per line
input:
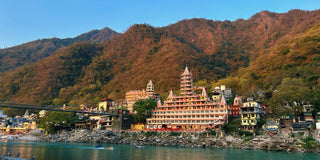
<point x="67" y="151"/>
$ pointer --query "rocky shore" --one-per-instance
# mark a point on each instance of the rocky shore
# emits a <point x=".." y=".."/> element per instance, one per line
<point x="175" y="139"/>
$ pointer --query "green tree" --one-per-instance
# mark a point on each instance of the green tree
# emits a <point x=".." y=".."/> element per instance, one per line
<point x="54" y="120"/>
<point x="12" y="112"/>
<point x="144" y="109"/>
<point x="293" y="92"/>
<point x="139" y="107"/>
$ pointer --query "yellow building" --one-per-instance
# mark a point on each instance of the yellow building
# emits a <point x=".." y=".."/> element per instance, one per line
<point x="251" y="113"/>
<point x="138" y="126"/>
<point x="19" y="127"/>
<point x="106" y="104"/>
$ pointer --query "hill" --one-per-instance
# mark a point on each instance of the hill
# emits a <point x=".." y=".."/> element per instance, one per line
<point x="31" y="52"/>
<point x="249" y="56"/>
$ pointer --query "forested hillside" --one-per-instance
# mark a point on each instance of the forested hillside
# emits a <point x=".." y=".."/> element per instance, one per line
<point x="254" y="56"/>
<point x="31" y="52"/>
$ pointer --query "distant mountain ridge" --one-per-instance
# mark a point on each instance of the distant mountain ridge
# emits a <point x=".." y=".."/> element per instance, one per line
<point x="33" y="51"/>
<point x="246" y="55"/>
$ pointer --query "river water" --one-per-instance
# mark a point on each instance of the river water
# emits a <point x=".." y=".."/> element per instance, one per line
<point x="65" y="151"/>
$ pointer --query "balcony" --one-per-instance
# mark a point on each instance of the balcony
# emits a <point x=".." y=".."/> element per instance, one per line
<point x="248" y="124"/>
<point x="250" y="111"/>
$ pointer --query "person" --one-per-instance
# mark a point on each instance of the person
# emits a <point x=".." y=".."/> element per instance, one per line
<point x="9" y="154"/>
<point x="33" y="158"/>
<point x="18" y="155"/>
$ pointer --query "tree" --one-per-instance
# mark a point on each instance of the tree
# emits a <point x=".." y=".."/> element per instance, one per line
<point x="139" y="107"/>
<point x="150" y="105"/>
<point x="292" y="92"/>
<point x="144" y="109"/>
<point x="54" y="120"/>
<point x="12" y="112"/>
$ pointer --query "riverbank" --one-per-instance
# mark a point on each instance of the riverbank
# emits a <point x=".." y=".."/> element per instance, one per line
<point x="176" y="139"/>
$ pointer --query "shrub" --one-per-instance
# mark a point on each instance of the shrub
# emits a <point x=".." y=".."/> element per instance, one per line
<point x="245" y="133"/>
<point x="309" y="142"/>
<point x="210" y="132"/>
<point x="232" y="126"/>
<point x="172" y="133"/>
<point x="292" y="135"/>
<point x="150" y="133"/>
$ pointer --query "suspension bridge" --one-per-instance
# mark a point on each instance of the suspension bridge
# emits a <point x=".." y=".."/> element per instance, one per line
<point x="52" y="108"/>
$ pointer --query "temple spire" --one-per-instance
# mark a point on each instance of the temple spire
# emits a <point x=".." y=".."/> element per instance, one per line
<point x="204" y="92"/>
<point x="237" y="101"/>
<point x="159" y="103"/>
<point x="170" y="95"/>
<point x="186" y="71"/>
<point x="223" y="101"/>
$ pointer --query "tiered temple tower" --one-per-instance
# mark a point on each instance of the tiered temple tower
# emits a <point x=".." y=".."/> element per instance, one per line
<point x="188" y="111"/>
<point x="150" y="89"/>
<point x="133" y="96"/>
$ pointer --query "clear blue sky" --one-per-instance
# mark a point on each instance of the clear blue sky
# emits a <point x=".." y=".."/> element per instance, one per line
<point x="27" y="20"/>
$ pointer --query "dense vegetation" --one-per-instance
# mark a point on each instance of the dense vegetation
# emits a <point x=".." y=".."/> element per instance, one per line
<point x="260" y="55"/>
<point x="54" y="121"/>
<point x="143" y="109"/>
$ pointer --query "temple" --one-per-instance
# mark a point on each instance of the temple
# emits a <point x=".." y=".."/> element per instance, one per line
<point x="135" y="95"/>
<point x="188" y="111"/>
<point x="234" y="110"/>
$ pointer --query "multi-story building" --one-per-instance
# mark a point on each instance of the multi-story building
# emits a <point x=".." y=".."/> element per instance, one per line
<point x="251" y="113"/>
<point x="235" y="108"/>
<point x="135" y="95"/>
<point x="106" y="104"/>
<point x="307" y="113"/>
<point x="188" y="111"/>
<point x="221" y="91"/>
<point x="318" y="122"/>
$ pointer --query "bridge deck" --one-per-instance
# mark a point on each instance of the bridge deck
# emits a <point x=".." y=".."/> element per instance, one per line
<point x="23" y="106"/>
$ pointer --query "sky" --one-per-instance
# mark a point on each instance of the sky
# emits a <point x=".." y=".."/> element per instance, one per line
<point x="22" y="21"/>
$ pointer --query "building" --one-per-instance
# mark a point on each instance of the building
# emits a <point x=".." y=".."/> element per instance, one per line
<point x="266" y="109"/>
<point x="188" y="111"/>
<point x="221" y="91"/>
<point x="106" y="104"/>
<point x="251" y="113"/>
<point x="17" y="126"/>
<point x="304" y="121"/>
<point x="234" y="110"/>
<point x="42" y="113"/>
<point x="135" y="95"/>
<point x="150" y="90"/>
<point x="307" y="113"/>
<point x="318" y="121"/>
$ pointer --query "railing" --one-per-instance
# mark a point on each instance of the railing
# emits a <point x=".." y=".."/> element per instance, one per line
<point x="247" y="123"/>
<point x="191" y="113"/>
<point x="26" y="106"/>
<point x="255" y="111"/>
